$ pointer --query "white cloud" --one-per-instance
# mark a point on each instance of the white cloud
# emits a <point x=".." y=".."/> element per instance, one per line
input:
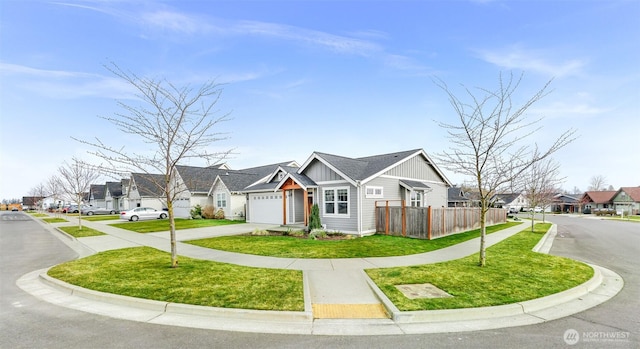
<point x="63" y="84"/>
<point x="516" y="57"/>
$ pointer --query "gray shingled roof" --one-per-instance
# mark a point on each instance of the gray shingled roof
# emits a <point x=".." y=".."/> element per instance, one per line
<point x="456" y="194"/>
<point x="149" y="185"/>
<point x="239" y="180"/>
<point x="362" y="168"/>
<point x="414" y="184"/>
<point x="506" y="197"/>
<point x="115" y="189"/>
<point x="97" y="190"/>
<point x="199" y="179"/>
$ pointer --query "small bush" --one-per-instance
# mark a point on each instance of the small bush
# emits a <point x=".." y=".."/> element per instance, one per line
<point x="219" y="214"/>
<point x="196" y="211"/>
<point x="209" y="212"/>
<point x="317" y="234"/>
<point x="260" y="232"/>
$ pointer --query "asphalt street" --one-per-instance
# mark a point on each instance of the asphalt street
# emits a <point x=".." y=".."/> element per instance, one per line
<point x="26" y="322"/>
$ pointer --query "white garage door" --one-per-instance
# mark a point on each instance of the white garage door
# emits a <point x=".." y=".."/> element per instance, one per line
<point x="181" y="208"/>
<point x="265" y="208"/>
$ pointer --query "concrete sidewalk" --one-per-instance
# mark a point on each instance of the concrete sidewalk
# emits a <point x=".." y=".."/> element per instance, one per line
<point x="339" y="296"/>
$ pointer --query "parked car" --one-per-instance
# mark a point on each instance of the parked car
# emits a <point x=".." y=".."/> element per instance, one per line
<point x="142" y="213"/>
<point x="90" y="211"/>
<point x="513" y="210"/>
<point x="74" y="208"/>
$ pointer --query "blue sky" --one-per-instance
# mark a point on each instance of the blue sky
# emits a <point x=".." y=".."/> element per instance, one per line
<point x="351" y="78"/>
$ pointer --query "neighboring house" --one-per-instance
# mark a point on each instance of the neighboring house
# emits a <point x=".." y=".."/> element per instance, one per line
<point x="96" y="195"/>
<point x="517" y="201"/>
<point x="34" y="203"/>
<point x="113" y="195"/>
<point x="194" y="184"/>
<point x="627" y="199"/>
<point x="347" y="189"/>
<point x="565" y="203"/>
<point x="228" y="189"/>
<point x="457" y="197"/>
<point x="144" y="190"/>
<point x="592" y="200"/>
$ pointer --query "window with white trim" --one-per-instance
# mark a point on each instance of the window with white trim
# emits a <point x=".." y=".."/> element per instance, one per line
<point x="336" y="201"/>
<point x="416" y="198"/>
<point x="372" y="192"/>
<point x="221" y="200"/>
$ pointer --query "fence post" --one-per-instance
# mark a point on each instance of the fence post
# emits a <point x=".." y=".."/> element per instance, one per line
<point x="386" y="218"/>
<point x="444" y="227"/>
<point x="404" y="219"/>
<point x="429" y="223"/>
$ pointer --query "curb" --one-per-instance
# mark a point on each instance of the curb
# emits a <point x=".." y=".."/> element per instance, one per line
<point x="603" y="285"/>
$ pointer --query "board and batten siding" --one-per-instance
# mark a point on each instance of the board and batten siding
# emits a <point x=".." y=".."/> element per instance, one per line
<point x="417" y="168"/>
<point x="320" y="172"/>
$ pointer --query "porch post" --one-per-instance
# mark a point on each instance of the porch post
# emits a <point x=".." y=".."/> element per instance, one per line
<point x="284" y="207"/>
<point x="305" y="195"/>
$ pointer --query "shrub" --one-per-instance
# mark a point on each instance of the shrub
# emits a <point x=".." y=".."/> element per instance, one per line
<point x="260" y="232"/>
<point x="314" y="218"/>
<point x="317" y="234"/>
<point x="196" y="211"/>
<point x="208" y="212"/>
<point x="219" y="214"/>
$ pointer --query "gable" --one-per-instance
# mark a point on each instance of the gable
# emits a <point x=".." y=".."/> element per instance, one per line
<point x="415" y="167"/>
<point x="320" y="172"/>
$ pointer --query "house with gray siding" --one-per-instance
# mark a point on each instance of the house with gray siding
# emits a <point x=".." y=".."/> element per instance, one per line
<point x="228" y="189"/>
<point x="145" y="190"/>
<point x="347" y="189"/>
<point x="194" y="185"/>
<point x="96" y="195"/>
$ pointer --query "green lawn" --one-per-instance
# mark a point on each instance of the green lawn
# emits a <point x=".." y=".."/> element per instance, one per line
<point x="54" y="220"/>
<point x="156" y="225"/>
<point x="369" y="246"/>
<point x="145" y="272"/>
<point x="101" y="218"/>
<point x="513" y="273"/>
<point x="634" y="218"/>
<point x="38" y="215"/>
<point x="76" y="232"/>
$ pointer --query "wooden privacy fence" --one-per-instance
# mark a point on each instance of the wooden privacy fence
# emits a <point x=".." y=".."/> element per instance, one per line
<point x="395" y="218"/>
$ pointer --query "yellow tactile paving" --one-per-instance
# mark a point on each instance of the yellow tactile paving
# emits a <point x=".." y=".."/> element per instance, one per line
<point x="349" y="311"/>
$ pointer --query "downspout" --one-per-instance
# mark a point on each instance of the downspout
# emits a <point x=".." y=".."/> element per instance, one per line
<point x="359" y="215"/>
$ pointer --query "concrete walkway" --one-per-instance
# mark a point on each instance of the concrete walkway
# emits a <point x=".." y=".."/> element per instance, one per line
<point x="336" y="290"/>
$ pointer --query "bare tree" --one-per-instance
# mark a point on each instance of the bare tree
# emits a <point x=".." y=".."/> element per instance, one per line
<point x="541" y="183"/>
<point x="180" y="123"/>
<point x="598" y="183"/>
<point x="74" y="179"/>
<point x="38" y="193"/>
<point x="489" y="141"/>
<point x="55" y="191"/>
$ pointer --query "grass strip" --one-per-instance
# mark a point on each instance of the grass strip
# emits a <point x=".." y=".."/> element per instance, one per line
<point x="54" y="220"/>
<point x="513" y="273"/>
<point x="156" y="225"/>
<point x="101" y="218"/>
<point x="76" y="232"/>
<point x="145" y="272"/>
<point x="368" y="246"/>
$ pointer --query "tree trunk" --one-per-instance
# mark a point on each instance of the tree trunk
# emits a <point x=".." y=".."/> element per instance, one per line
<point x="172" y="230"/>
<point x="79" y="214"/>
<point x="483" y="234"/>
